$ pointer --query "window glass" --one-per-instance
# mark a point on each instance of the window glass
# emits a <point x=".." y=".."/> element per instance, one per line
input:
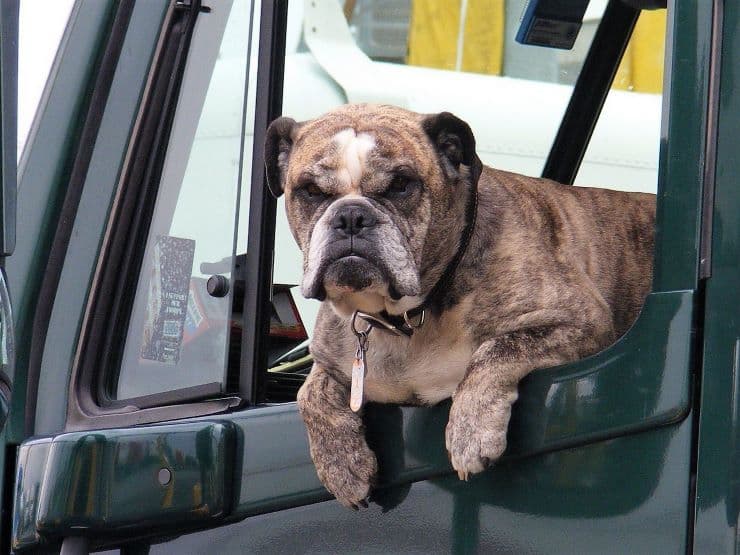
<point x="40" y="29"/>
<point x="178" y="332"/>
<point x="462" y="57"/>
<point x="623" y="152"/>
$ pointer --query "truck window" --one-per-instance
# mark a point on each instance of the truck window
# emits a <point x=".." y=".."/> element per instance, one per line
<point x="178" y="333"/>
<point x="185" y="325"/>
<point x="433" y="56"/>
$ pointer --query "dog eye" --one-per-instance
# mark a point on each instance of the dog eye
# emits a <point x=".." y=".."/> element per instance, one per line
<point x="400" y="187"/>
<point x="311" y="191"/>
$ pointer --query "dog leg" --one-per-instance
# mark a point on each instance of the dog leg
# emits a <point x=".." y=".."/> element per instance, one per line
<point x="344" y="462"/>
<point x="481" y="406"/>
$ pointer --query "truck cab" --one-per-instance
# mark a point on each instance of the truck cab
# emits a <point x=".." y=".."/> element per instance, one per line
<point x="154" y="337"/>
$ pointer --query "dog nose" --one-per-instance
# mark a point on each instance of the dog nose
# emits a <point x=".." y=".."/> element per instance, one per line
<point x="353" y="219"/>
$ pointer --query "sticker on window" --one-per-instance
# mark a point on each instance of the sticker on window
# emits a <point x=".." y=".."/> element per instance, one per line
<point x="167" y="303"/>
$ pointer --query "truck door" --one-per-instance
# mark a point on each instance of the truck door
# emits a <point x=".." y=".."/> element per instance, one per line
<point x="167" y="345"/>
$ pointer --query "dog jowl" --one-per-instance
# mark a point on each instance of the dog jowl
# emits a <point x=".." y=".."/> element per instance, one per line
<point x="398" y="219"/>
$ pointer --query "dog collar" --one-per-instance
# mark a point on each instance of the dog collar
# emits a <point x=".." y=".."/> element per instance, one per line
<point x="398" y="325"/>
<point x="412" y="319"/>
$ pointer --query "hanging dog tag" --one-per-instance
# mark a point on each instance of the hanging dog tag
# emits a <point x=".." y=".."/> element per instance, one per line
<point x="359" y="369"/>
<point x="357" y="393"/>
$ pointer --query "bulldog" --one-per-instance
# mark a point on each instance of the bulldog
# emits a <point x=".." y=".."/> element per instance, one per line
<point x="441" y="277"/>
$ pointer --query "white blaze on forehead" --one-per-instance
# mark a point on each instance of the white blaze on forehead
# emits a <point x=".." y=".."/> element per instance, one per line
<point x="353" y="151"/>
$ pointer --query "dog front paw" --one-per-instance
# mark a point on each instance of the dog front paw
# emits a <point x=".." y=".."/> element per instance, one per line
<point x="348" y="471"/>
<point x="474" y="438"/>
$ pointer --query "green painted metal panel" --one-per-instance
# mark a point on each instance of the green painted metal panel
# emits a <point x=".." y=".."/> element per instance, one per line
<point x="682" y="156"/>
<point x="609" y="395"/>
<point x="640" y="382"/>
<point x="626" y="496"/>
<point x="562" y="502"/>
<point x="43" y="172"/>
<point x="9" y="116"/>
<point x="91" y="219"/>
<point x="718" y="468"/>
<point x="115" y="483"/>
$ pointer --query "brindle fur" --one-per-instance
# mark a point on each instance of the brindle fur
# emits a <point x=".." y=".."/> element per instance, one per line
<point x="553" y="273"/>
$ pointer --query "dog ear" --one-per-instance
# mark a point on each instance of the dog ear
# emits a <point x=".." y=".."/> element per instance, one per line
<point x="455" y="144"/>
<point x="278" y="144"/>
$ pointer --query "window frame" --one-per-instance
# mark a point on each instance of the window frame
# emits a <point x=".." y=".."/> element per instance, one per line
<point x="262" y="205"/>
<point x="167" y="106"/>
<point x="121" y="254"/>
<point x="589" y="92"/>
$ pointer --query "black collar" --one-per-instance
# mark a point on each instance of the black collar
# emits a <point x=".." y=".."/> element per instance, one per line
<point x="406" y="323"/>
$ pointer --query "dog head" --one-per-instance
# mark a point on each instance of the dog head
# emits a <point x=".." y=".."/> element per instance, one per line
<point x="375" y="198"/>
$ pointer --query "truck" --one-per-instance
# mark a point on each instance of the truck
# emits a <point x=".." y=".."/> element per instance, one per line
<point x="152" y="338"/>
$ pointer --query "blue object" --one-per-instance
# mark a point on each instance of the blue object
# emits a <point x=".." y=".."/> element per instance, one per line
<point x="551" y="23"/>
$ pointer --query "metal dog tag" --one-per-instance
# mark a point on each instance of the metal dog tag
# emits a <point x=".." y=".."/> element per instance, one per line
<point x="359" y="369"/>
<point x="357" y="393"/>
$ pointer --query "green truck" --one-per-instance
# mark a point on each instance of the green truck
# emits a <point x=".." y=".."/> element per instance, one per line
<point x="152" y="342"/>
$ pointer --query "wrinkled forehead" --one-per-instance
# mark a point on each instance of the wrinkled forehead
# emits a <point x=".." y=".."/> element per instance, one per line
<point x="349" y="149"/>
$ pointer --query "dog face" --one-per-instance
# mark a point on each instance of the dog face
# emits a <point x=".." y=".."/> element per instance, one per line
<point x="375" y="198"/>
